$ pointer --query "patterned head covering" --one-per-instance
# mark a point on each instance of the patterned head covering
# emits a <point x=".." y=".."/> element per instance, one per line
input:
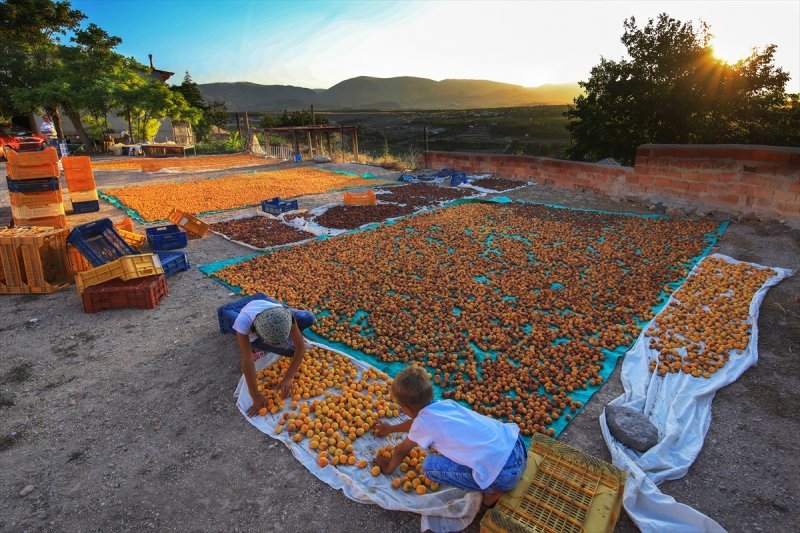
<point x="272" y="325"/>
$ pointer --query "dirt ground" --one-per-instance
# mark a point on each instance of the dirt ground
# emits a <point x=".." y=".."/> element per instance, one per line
<point x="125" y="420"/>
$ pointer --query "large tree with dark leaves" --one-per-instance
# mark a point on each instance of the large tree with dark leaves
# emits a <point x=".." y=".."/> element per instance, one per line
<point x="672" y="89"/>
<point x="30" y="31"/>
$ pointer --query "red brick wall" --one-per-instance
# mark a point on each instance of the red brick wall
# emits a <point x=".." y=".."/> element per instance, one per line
<point x="762" y="181"/>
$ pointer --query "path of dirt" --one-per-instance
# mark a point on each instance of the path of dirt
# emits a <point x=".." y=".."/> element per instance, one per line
<point x="125" y="420"/>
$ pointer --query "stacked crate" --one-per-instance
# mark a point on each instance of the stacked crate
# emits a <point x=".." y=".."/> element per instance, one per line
<point x="119" y="277"/>
<point x="34" y="188"/>
<point x="80" y="181"/>
<point x="33" y="260"/>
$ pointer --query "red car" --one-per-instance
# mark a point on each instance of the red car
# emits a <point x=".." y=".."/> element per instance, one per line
<point x="13" y="137"/>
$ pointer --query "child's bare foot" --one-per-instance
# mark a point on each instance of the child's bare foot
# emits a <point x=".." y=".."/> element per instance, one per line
<point x="490" y="498"/>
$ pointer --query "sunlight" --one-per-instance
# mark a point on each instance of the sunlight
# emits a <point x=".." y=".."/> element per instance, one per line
<point x="729" y="51"/>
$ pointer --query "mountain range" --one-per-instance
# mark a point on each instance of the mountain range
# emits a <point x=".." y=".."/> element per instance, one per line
<point x="400" y="93"/>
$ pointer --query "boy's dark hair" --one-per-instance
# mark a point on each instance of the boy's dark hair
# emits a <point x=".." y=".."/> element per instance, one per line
<point x="412" y="387"/>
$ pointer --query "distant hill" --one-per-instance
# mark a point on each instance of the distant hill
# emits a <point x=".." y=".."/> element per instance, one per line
<point x="367" y="93"/>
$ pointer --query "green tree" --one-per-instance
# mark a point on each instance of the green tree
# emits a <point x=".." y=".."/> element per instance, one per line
<point x="143" y="101"/>
<point x="672" y="89"/>
<point x="80" y="81"/>
<point x="30" y="31"/>
<point x="213" y="114"/>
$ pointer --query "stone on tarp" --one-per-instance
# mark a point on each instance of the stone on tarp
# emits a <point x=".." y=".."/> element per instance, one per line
<point x="631" y="428"/>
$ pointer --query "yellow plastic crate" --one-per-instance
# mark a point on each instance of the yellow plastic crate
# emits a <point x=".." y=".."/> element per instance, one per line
<point x="563" y="490"/>
<point x="188" y="222"/>
<point x="360" y="198"/>
<point x="125" y="268"/>
<point x="21" y="212"/>
<point x="84" y="196"/>
<point x="134" y="239"/>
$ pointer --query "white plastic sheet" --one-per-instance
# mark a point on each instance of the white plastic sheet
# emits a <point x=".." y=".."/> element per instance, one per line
<point x="449" y="509"/>
<point x="680" y="407"/>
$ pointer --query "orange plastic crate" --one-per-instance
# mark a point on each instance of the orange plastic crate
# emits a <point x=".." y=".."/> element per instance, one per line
<point x="33" y="260"/>
<point x="360" y="198"/>
<point x="78" y="173"/>
<point x="36" y="199"/>
<point x="32" y="165"/>
<point x="12" y="271"/>
<point x="125" y="224"/>
<point x="59" y="221"/>
<point x="188" y="222"/>
<point x="75" y="261"/>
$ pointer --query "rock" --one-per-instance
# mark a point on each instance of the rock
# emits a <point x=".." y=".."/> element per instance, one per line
<point x="27" y="489"/>
<point x="631" y="428"/>
<point x="675" y="212"/>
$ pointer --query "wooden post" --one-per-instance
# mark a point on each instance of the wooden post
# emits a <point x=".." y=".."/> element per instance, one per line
<point x="425" y="130"/>
<point x="310" y="144"/>
<point x="355" y="143"/>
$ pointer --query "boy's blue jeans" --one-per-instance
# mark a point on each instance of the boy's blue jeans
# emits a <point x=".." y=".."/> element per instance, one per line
<point x="444" y="471"/>
<point x="304" y="319"/>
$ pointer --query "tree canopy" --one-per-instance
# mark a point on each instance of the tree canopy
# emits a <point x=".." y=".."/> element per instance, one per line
<point x="86" y="79"/>
<point x="672" y="89"/>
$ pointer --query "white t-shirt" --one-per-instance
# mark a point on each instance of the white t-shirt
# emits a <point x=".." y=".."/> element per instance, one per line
<point x="466" y="437"/>
<point x="244" y="322"/>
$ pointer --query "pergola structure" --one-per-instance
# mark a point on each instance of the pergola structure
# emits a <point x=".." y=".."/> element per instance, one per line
<point x="314" y="135"/>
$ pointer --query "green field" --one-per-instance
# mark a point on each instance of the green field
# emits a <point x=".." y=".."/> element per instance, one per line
<point x="534" y="130"/>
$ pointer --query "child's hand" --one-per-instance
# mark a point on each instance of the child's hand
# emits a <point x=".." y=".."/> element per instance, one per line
<point x="258" y="402"/>
<point x="382" y="428"/>
<point x="381" y="462"/>
<point x="285" y="388"/>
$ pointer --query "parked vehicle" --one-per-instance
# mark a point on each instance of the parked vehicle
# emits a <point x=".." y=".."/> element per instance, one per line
<point x="13" y="137"/>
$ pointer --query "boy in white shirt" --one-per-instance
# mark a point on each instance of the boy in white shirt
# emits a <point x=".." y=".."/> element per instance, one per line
<point x="474" y="452"/>
<point x="267" y="325"/>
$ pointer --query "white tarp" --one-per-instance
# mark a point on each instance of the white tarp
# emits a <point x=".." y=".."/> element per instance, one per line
<point x="679" y="405"/>
<point x="449" y="509"/>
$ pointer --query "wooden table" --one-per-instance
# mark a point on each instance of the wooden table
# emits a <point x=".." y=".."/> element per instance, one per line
<point x="164" y="150"/>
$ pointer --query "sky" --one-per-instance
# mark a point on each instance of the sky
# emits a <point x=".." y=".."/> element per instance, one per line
<point x="316" y="44"/>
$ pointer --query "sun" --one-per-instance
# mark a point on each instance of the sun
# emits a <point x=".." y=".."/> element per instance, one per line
<point x="728" y="52"/>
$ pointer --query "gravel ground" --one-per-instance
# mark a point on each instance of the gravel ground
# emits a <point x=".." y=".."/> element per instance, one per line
<point x="125" y="420"/>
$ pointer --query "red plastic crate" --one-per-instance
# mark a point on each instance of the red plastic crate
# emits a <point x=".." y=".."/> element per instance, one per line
<point x="141" y="293"/>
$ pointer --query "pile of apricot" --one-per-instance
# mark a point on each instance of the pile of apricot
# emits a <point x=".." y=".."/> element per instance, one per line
<point x="408" y="477"/>
<point x="512" y="308"/>
<point x="708" y="319"/>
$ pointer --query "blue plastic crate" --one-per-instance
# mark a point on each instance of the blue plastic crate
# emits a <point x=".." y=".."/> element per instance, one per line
<point x="227" y="313"/>
<point x="166" y="237"/>
<point x="457" y="178"/>
<point x="89" y="206"/>
<point x="276" y="206"/>
<point x="173" y="262"/>
<point x="99" y="242"/>
<point x="34" y="185"/>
